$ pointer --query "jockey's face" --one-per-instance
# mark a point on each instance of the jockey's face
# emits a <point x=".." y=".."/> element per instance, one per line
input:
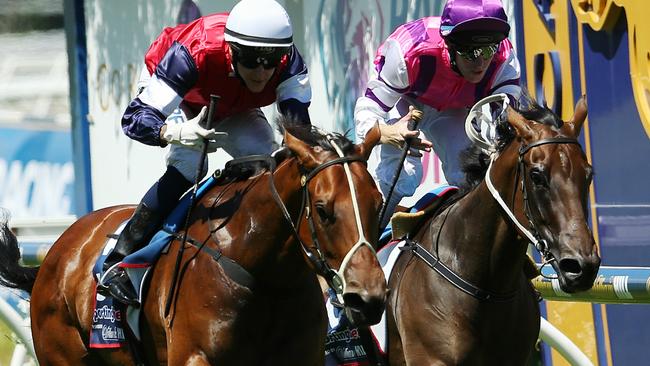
<point x="473" y="70"/>
<point x="255" y="78"/>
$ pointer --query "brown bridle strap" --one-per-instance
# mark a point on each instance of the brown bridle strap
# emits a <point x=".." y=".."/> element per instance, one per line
<point x="534" y="237"/>
<point x="314" y="254"/>
<point x="540" y="243"/>
<point x="554" y="140"/>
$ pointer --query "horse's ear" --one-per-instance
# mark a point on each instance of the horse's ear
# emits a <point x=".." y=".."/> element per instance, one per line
<point x="372" y="139"/>
<point x="301" y="150"/>
<point x="520" y="124"/>
<point x="579" y="116"/>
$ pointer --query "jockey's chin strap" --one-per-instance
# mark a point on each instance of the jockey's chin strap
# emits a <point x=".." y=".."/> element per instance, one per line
<point x="335" y="279"/>
<point x="532" y="234"/>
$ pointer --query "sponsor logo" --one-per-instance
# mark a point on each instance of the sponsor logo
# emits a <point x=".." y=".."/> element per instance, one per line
<point x="346" y="335"/>
<point x="107" y="313"/>
<point x="110" y="333"/>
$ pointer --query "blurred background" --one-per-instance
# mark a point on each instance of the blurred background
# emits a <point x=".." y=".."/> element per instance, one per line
<point x="68" y="69"/>
<point x="36" y="169"/>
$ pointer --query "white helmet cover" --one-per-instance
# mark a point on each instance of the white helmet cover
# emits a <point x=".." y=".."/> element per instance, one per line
<point x="259" y="23"/>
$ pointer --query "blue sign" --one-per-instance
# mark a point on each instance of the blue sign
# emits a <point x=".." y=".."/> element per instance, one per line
<point x="36" y="173"/>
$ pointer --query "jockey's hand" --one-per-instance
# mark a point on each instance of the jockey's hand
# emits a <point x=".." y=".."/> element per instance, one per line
<point x="397" y="134"/>
<point x="191" y="134"/>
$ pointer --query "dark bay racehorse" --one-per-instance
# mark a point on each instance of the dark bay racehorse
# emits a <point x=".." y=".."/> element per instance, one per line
<point x="322" y="186"/>
<point x="542" y="177"/>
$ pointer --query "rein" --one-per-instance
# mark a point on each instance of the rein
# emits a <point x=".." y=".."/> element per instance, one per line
<point x="532" y="233"/>
<point x="335" y="279"/>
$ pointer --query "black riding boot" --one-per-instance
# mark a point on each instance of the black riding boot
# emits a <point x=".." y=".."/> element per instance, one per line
<point x="115" y="281"/>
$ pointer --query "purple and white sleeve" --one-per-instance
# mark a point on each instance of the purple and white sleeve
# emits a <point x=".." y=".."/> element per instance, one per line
<point x="385" y="87"/>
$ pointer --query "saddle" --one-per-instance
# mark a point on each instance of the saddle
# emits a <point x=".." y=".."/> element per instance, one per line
<point x="108" y="329"/>
<point x="243" y="168"/>
<point x="405" y="223"/>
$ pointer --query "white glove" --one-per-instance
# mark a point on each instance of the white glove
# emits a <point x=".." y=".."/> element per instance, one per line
<point x="190" y="133"/>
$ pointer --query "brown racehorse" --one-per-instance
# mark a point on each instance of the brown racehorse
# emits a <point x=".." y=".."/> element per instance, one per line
<point x="322" y="185"/>
<point x="542" y="176"/>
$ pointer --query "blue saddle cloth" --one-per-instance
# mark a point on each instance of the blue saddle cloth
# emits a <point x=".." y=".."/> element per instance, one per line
<point x="148" y="255"/>
<point x="108" y="328"/>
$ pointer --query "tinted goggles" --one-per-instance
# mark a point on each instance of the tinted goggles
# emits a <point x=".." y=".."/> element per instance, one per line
<point x="252" y="57"/>
<point x="473" y="53"/>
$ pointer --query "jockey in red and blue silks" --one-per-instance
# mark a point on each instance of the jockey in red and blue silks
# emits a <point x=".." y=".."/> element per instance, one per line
<point x="442" y="66"/>
<point x="246" y="57"/>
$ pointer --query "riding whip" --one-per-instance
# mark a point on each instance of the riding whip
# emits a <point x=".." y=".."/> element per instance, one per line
<point x="416" y="116"/>
<point x="207" y="124"/>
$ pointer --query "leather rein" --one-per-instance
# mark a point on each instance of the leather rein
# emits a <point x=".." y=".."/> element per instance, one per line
<point x="335" y="279"/>
<point x="532" y="233"/>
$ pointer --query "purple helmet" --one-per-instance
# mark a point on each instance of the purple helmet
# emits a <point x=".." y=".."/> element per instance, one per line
<point x="474" y="22"/>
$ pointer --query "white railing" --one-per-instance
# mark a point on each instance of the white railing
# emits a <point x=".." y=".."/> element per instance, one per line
<point x="561" y="343"/>
<point x="36" y="236"/>
<point x="14" y="311"/>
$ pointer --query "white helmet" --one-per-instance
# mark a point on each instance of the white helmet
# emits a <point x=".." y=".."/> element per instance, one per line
<point x="259" y="23"/>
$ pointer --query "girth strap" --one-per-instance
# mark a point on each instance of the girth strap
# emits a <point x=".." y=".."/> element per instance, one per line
<point x="435" y="264"/>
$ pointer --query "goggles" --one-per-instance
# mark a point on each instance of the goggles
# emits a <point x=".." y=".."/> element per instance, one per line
<point x="473" y="53"/>
<point x="252" y="57"/>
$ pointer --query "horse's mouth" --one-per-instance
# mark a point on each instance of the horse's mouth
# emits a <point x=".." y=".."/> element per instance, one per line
<point x="576" y="274"/>
<point x="363" y="312"/>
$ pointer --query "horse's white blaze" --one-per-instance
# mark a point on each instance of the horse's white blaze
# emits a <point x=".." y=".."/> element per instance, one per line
<point x="362" y="241"/>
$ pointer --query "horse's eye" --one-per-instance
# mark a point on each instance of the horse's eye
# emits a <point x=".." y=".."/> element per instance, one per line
<point x="538" y="177"/>
<point x="323" y="213"/>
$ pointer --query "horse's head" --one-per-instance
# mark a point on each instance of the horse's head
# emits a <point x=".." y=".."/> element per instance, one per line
<point x="339" y="227"/>
<point x="553" y="177"/>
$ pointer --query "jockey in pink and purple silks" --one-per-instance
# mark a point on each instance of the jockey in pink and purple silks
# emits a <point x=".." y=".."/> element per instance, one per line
<point x="442" y="66"/>
<point x="247" y="57"/>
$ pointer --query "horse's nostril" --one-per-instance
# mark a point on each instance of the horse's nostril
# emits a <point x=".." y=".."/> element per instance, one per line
<point x="570" y="265"/>
<point x="353" y="300"/>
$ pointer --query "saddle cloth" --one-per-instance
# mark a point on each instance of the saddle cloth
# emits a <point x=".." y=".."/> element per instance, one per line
<point x="107" y="330"/>
<point x="345" y="345"/>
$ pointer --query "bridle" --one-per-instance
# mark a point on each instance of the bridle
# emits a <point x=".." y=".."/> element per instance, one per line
<point x="335" y="279"/>
<point x="531" y="233"/>
<point x="486" y="119"/>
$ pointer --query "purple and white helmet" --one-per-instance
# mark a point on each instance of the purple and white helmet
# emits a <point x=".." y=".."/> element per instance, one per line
<point x="474" y="22"/>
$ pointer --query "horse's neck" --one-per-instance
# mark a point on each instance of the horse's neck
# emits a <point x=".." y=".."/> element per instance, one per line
<point x="277" y="256"/>
<point x="487" y="244"/>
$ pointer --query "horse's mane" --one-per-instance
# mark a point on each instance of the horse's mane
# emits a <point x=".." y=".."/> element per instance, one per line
<point x="312" y="135"/>
<point x="475" y="161"/>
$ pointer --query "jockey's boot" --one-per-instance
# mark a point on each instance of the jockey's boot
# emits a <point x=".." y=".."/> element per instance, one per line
<point x="115" y="281"/>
